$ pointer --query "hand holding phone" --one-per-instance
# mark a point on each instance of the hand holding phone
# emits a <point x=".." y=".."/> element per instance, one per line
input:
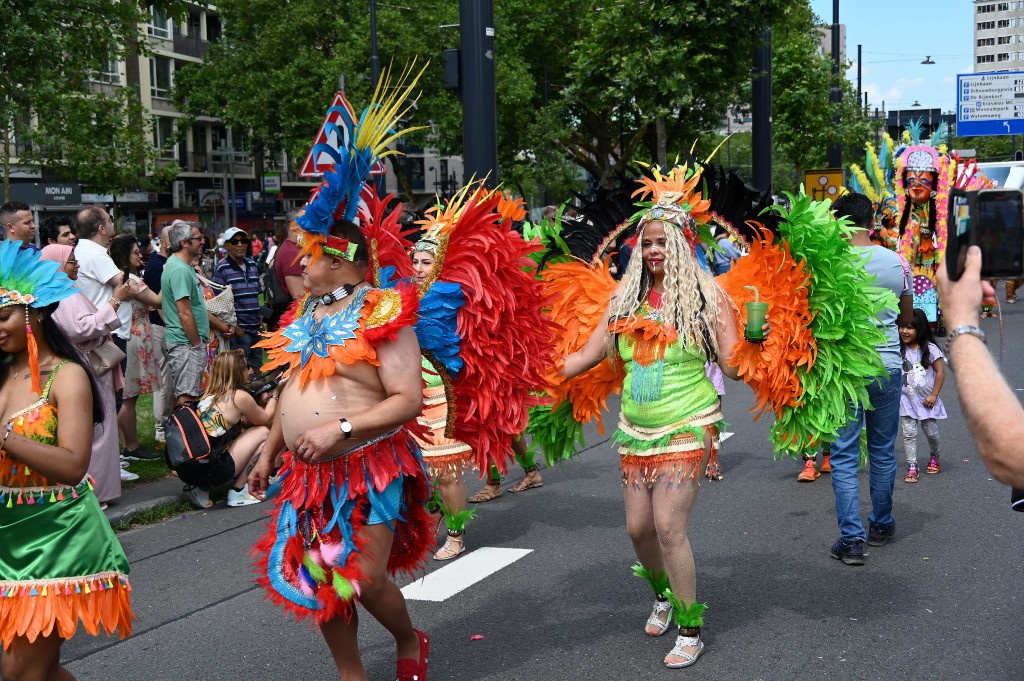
<point x="993" y="220"/>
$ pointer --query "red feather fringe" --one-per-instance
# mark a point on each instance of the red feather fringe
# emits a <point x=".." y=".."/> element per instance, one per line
<point x="308" y="486"/>
<point x="508" y="344"/>
<point x="387" y="242"/>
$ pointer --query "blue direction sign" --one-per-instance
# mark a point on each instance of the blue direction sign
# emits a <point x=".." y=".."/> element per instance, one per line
<point x="990" y="103"/>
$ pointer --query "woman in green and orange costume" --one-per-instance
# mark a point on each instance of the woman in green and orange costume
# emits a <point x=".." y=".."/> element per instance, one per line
<point x="665" y="320"/>
<point x="60" y="563"/>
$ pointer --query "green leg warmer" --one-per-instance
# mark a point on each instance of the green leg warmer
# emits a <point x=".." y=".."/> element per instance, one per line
<point x="659" y="582"/>
<point x="686" y="617"/>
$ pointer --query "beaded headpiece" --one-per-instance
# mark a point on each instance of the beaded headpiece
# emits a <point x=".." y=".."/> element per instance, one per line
<point x="26" y="279"/>
<point x="674" y="201"/>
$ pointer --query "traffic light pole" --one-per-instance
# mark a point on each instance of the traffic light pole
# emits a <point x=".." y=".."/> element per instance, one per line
<point x="479" y="97"/>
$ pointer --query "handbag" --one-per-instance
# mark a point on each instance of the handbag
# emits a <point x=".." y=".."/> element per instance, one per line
<point x="105" y="357"/>
<point x="222" y="305"/>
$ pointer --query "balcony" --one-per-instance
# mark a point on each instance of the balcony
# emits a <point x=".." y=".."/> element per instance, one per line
<point x="189" y="45"/>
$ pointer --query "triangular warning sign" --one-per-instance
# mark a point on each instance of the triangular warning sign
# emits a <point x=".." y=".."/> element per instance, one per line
<point x="334" y="133"/>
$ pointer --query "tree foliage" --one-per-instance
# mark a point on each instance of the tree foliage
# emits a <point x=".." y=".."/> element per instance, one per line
<point x="77" y="129"/>
<point x="803" y="117"/>
<point x="581" y="84"/>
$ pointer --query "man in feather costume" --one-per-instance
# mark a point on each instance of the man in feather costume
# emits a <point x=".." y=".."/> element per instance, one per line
<point x="350" y="507"/>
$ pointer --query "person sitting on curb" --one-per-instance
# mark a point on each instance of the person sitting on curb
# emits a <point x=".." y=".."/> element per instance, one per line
<point x="222" y="408"/>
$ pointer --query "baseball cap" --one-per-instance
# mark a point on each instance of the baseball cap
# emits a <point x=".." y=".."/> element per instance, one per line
<point x="229" y="233"/>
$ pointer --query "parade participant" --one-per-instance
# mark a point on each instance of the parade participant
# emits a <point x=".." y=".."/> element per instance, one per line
<point x="60" y="562"/>
<point x="479" y="386"/>
<point x="666" y="319"/>
<point x="353" y="488"/>
<point x="445" y="458"/>
<point x="350" y="510"/>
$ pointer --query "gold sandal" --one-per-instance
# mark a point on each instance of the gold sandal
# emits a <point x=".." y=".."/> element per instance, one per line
<point x="448" y="551"/>
<point x="489" y="492"/>
<point x="529" y="481"/>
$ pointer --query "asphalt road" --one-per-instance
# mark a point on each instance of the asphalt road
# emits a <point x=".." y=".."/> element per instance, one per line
<point x="942" y="601"/>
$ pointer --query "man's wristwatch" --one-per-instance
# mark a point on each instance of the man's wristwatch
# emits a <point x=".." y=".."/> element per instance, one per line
<point x="345" y="427"/>
<point x="968" y="329"/>
<point x="116" y="303"/>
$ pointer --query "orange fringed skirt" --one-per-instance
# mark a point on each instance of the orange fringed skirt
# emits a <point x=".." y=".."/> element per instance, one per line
<point x="668" y="453"/>
<point x="61" y="564"/>
<point x="442" y="455"/>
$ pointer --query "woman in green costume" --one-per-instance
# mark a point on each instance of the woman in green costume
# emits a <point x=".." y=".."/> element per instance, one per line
<point x="60" y="563"/>
<point x="665" y="320"/>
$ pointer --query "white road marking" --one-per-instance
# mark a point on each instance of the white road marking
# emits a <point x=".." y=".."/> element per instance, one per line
<point x="462" y="573"/>
<point x="725" y="436"/>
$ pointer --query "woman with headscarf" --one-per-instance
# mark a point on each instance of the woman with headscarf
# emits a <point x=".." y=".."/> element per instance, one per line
<point x="87" y="327"/>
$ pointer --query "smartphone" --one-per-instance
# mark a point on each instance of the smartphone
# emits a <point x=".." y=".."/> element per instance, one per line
<point x="992" y="219"/>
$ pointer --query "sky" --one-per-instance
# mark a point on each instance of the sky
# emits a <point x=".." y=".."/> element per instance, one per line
<point x="895" y="40"/>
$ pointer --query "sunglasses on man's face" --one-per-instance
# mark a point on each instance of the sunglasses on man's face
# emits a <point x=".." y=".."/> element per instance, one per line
<point x="237" y="240"/>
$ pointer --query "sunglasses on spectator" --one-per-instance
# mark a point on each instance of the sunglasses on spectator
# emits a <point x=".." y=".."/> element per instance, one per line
<point x="238" y="240"/>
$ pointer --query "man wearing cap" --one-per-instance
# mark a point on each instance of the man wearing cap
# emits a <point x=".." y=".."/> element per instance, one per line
<point x="243" y="276"/>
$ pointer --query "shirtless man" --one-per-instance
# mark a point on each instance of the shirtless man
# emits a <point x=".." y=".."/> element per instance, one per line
<point x="353" y="473"/>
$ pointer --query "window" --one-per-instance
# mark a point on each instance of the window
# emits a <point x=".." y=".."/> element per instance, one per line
<point x="986" y="58"/>
<point x="1003" y="23"/>
<point x="985" y="9"/>
<point x="160" y="77"/>
<point x="1004" y="40"/>
<point x="159" y="25"/>
<point x="213" y="28"/>
<point x="1003" y="56"/>
<point x="163" y="137"/>
<point x="109" y="72"/>
<point x="1003" y="7"/>
<point x="986" y="42"/>
<point x="986" y="25"/>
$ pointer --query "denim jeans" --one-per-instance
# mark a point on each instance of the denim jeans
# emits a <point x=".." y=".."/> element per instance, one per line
<point x="882" y="422"/>
<point x="253" y="356"/>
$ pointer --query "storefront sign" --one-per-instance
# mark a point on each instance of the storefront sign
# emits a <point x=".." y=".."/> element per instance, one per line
<point x="47" y="193"/>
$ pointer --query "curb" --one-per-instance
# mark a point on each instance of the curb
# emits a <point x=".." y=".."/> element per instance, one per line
<point x="117" y="516"/>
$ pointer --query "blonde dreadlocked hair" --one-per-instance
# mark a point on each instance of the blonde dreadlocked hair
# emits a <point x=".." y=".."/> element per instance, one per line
<point x="690" y="301"/>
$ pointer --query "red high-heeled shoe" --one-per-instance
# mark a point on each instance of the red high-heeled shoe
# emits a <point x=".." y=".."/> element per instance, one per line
<point x="415" y="670"/>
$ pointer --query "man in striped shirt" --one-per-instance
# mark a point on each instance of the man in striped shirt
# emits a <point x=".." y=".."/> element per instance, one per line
<point x="241" y="273"/>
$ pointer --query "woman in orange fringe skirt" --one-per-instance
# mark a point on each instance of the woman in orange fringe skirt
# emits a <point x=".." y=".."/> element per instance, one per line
<point x="60" y="563"/>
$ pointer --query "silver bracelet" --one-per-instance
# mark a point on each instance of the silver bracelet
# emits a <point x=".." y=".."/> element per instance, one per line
<point x="967" y="329"/>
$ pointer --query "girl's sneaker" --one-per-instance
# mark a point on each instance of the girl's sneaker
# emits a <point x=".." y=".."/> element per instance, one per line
<point x="911" y="475"/>
<point x="933" y="464"/>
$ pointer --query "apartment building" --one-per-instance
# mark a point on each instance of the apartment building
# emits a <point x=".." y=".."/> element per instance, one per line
<point x="218" y="182"/>
<point x="998" y="35"/>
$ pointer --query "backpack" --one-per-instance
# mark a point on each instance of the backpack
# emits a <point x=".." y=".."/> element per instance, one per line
<point x="187" y="441"/>
<point x="275" y="298"/>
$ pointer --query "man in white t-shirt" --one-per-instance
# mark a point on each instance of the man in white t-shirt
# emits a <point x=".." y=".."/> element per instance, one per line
<point x="97" y="278"/>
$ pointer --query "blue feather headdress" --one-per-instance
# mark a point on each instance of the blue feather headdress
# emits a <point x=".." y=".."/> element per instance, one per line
<point x="362" y="145"/>
<point x="26" y="279"/>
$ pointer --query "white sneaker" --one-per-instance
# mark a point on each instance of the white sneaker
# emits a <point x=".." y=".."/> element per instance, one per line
<point x="160" y="436"/>
<point x="127" y="475"/>
<point x="242" y="498"/>
<point x="200" y="498"/>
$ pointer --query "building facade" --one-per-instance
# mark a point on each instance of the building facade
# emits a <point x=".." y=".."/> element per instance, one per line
<point x="219" y="183"/>
<point x="998" y="35"/>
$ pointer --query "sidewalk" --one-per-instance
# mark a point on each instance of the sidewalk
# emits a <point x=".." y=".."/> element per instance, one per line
<point x="144" y="497"/>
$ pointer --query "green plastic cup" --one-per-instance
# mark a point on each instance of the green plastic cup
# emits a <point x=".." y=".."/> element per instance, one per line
<point x="755" y="320"/>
